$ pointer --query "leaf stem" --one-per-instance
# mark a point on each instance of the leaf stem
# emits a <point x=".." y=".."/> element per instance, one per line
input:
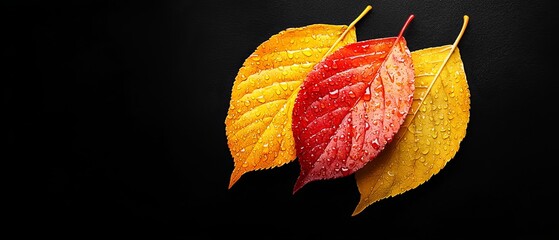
<point x="367" y="9"/>
<point x="405" y="27"/>
<point x="454" y="45"/>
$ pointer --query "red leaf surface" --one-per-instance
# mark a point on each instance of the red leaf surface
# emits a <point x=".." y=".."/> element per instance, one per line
<point x="350" y="106"/>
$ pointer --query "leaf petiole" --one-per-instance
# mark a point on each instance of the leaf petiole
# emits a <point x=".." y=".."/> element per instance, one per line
<point x="454" y="45"/>
<point x="405" y="27"/>
<point x="351" y="25"/>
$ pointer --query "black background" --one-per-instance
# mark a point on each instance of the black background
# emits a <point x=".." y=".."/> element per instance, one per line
<point x="115" y="119"/>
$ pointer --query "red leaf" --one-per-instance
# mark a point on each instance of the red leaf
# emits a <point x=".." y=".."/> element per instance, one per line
<point x="350" y="106"/>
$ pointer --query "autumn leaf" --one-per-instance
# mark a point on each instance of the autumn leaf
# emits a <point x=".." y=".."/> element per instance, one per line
<point x="258" y="122"/>
<point x="431" y="134"/>
<point x="350" y="106"/>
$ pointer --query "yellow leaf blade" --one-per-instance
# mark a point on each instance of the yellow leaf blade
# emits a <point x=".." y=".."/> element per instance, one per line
<point x="431" y="134"/>
<point x="258" y="122"/>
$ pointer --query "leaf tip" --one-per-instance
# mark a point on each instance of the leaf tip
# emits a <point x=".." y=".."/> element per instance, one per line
<point x="356" y="212"/>
<point x="360" y="207"/>
<point x="296" y="188"/>
<point x="234" y="178"/>
<point x="301" y="181"/>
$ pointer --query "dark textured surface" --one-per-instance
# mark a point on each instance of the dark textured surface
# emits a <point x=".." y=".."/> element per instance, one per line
<point x="115" y="121"/>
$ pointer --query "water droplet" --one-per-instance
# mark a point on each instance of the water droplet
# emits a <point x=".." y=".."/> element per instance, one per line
<point x="247" y="102"/>
<point x="315" y="88"/>
<point x="390" y="173"/>
<point x="425" y="151"/>
<point x="334" y="93"/>
<point x="315" y="108"/>
<point x="289" y="54"/>
<point x="261" y="99"/>
<point x="345" y="169"/>
<point x="375" y="144"/>
<point x="367" y="94"/>
<point x="351" y="94"/>
<point x="283" y="85"/>
<point x="307" y="52"/>
<point x="378" y="89"/>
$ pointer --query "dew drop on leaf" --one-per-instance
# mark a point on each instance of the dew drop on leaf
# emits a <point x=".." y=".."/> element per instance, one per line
<point x="375" y="144"/>
<point x="367" y="94"/>
<point x="307" y="52"/>
<point x="334" y="93"/>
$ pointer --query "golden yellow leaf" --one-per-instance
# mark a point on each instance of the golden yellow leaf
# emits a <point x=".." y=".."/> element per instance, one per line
<point x="258" y="122"/>
<point x="432" y="131"/>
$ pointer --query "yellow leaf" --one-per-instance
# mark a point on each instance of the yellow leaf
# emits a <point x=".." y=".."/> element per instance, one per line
<point x="258" y="122"/>
<point x="431" y="134"/>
